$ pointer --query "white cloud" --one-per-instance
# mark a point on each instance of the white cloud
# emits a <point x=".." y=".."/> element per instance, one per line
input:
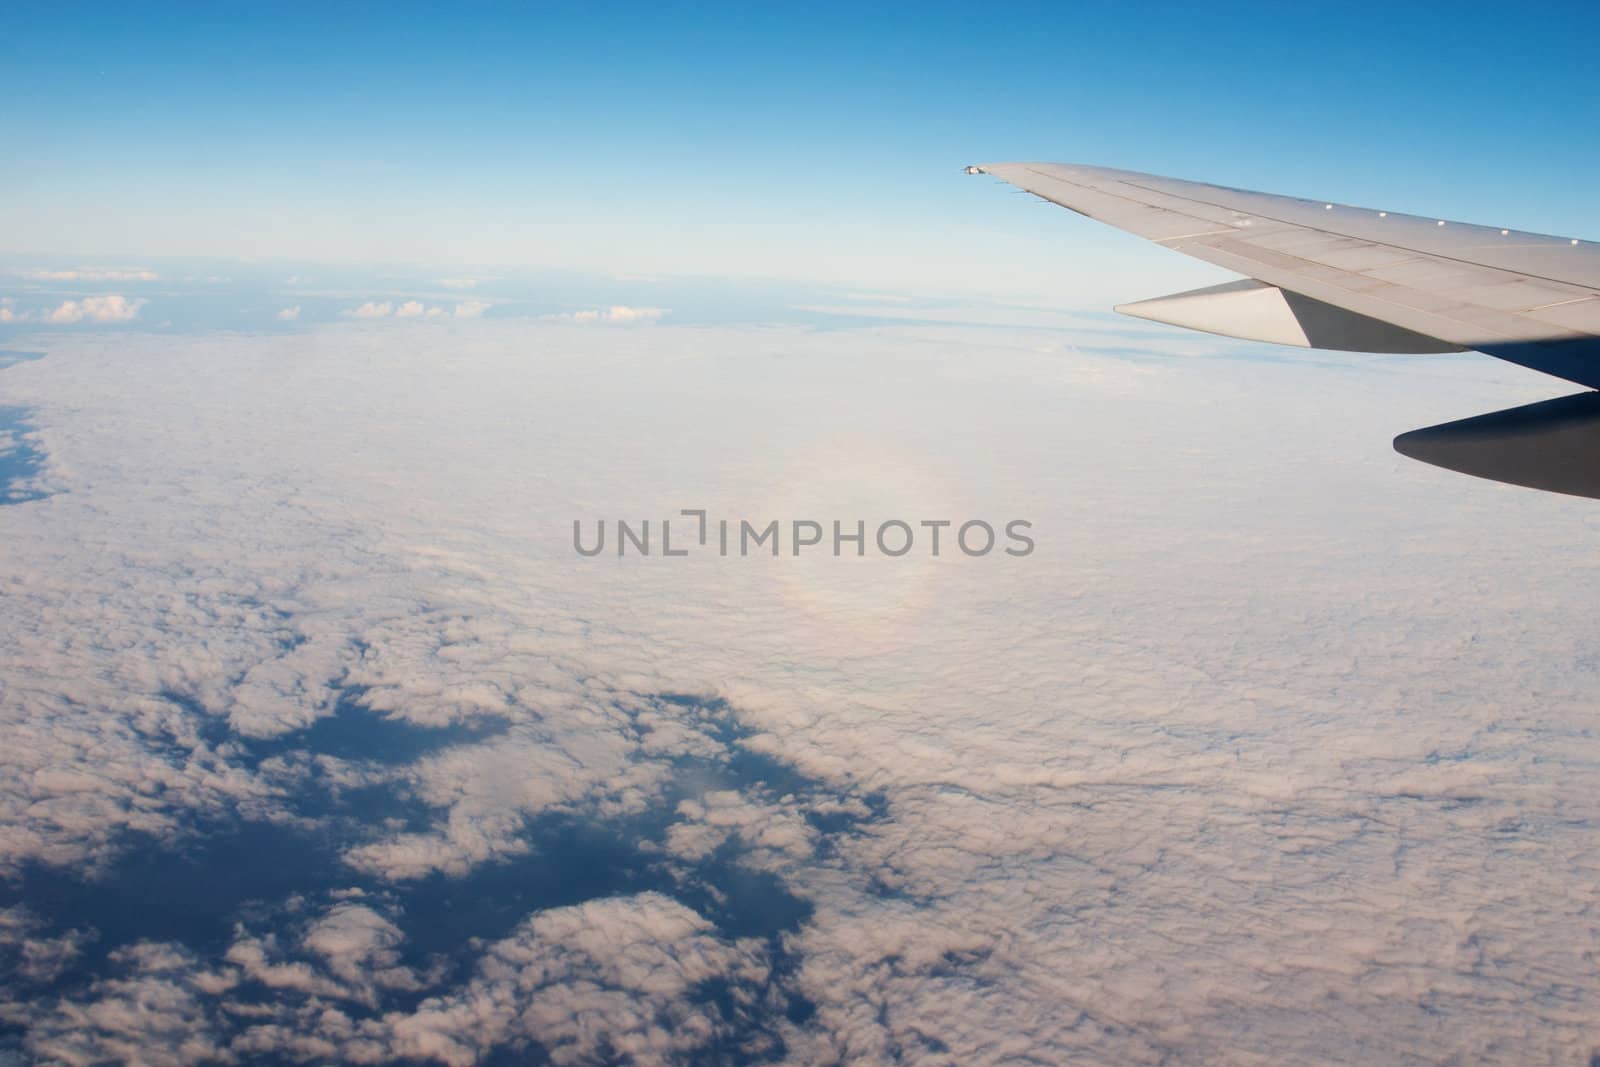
<point x="471" y="309"/>
<point x="615" y="976"/>
<point x="459" y="283"/>
<point x="289" y="314"/>
<point x="110" y="308"/>
<point x="620" y="313"/>
<point x="33" y="956"/>
<point x="604" y="979"/>
<point x="408" y="309"/>
<point x="91" y="274"/>
<point x="350" y="952"/>
<point x="153" y="1012"/>
<point x="358" y="944"/>
<point x="768" y="835"/>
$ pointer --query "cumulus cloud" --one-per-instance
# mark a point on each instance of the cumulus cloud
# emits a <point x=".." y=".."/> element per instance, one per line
<point x="471" y="309"/>
<point x="413" y="309"/>
<point x="27" y="955"/>
<point x="410" y="309"/>
<point x="351" y="952"/>
<point x="620" y="313"/>
<point x="153" y="1011"/>
<point x="101" y="309"/>
<point x="768" y="835"/>
<point x="608" y="978"/>
<point x="289" y="314"/>
<point x="359" y="946"/>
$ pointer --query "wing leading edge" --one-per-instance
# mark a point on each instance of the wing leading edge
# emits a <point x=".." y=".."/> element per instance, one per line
<point x="1336" y="276"/>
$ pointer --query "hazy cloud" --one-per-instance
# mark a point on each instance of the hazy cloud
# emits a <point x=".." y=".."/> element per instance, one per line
<point x="614" y="313"/>
<point x="413" y="309"/>
<point x="90" y="274"/>
<point x="408" y="309"/>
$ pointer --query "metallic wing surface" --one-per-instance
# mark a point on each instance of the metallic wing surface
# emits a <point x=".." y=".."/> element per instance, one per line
<point x="1328" y="275"/>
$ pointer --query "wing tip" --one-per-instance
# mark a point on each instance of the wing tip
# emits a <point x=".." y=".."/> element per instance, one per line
<point x="992" y="167"/>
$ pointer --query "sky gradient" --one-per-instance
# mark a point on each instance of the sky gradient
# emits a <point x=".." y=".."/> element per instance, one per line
<point x="821" y="143"/>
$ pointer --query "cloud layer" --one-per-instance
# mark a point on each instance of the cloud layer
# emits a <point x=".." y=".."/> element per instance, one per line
<point x="1276" y="749"/>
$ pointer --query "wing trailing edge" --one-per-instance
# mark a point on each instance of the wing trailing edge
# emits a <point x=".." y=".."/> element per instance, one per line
<point x="1255" y="311"/>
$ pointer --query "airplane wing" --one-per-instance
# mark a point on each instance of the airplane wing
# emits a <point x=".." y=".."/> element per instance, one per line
<point x="1325" y="275"/>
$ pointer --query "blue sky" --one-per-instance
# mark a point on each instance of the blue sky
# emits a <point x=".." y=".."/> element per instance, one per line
<point x="820" y="142"/>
